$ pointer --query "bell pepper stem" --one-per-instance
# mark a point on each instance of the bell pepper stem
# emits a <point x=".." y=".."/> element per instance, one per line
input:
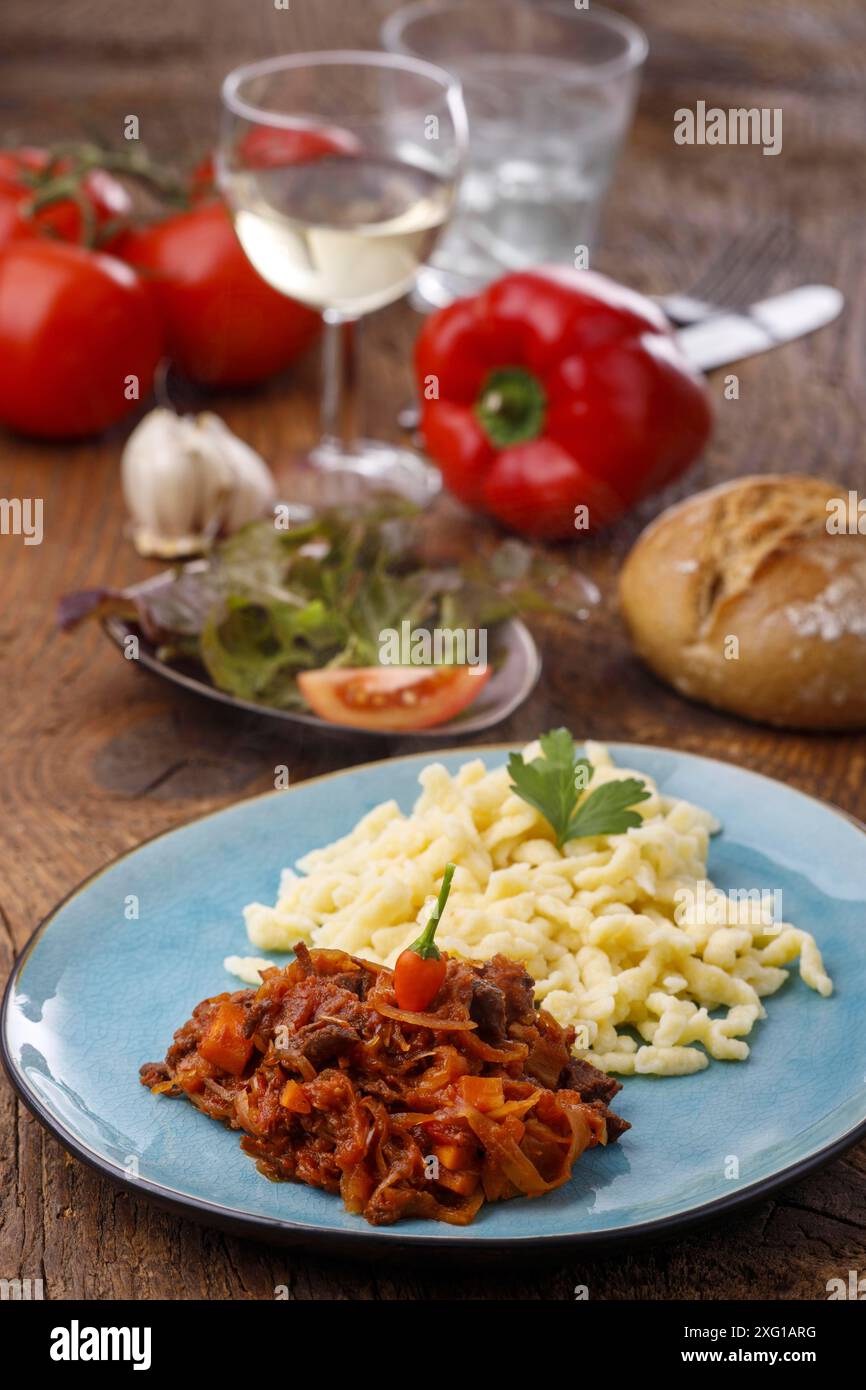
<point x="512" y="407"/>
<point x="425" y="946"/>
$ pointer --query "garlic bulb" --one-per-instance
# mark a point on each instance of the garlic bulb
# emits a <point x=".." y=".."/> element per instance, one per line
<point x="187" y="479"/>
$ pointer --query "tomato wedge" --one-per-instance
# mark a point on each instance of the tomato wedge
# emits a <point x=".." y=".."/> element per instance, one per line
<point x="392" y="698"/>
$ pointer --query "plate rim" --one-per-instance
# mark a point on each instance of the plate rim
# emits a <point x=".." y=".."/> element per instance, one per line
<point x="246" y="1223"/>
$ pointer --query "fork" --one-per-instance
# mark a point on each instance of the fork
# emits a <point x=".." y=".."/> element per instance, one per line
<point x="735" y="278"/>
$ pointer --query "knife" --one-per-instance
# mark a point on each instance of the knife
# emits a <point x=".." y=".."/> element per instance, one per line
<point x="726" y="337"/>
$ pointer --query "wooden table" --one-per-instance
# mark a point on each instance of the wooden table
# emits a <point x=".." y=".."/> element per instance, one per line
<point x="96" y="756"/>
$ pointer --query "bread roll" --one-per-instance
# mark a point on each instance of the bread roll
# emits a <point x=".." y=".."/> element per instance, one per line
<point x="752" y="597"/>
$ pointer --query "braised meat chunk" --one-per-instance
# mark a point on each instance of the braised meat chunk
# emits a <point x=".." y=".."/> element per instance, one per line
<point x="403" y="1114"/>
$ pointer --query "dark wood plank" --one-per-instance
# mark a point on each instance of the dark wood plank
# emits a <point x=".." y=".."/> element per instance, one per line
<point x="96" y="757"/>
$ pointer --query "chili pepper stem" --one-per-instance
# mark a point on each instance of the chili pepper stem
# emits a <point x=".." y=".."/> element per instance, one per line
<point x="425" y="946"/>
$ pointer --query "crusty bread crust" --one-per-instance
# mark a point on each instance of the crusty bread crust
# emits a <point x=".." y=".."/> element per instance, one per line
<point x="743" y="598"/>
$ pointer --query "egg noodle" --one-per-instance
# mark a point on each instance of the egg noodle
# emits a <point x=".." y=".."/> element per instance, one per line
<point x="624" y="934"/>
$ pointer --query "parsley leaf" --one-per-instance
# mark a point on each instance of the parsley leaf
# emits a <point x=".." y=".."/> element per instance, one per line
<point x="553" y="784"/>
<point x="605" y="811"/>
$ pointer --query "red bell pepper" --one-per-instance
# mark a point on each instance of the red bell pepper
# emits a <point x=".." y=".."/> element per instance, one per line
<point x="556" y="390"/>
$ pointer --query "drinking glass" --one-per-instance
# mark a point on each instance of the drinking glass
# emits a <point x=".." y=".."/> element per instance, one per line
<point x="340" y="169"/>
<point x="549" y="89"/>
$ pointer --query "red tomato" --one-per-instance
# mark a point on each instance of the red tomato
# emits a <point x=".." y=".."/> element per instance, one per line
<point x="265" y="147"/>
<point x="20" y="172"/>
<point x="223" y="325"/>
<point x="387" y="698"/>
<point x="13" y="223"/>
<point x="74" y="325"/>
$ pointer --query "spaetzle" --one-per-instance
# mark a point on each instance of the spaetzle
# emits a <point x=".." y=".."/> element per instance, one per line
<point x="624" y="934"/>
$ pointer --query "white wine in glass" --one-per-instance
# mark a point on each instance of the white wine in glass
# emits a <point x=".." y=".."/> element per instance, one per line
<point x="342" y="234"/>
<point x="340" y="170"/>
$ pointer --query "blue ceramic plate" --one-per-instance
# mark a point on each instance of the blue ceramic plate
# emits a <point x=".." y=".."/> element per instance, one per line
<point x="95" y="994"/>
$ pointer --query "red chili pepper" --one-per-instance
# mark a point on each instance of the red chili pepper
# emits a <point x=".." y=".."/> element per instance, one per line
<point x="556" y="389"/>
<point x="420" y="969"/>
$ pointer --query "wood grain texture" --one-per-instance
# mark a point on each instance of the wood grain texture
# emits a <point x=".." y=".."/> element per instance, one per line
<point x="95" y="756"/>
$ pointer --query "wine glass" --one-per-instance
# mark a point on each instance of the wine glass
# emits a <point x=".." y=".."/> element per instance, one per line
<point x="340" y="169"/>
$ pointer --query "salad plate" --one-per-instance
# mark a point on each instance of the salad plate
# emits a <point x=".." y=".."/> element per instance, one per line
<point x="516" y="673"/>
<point x="345" y="621"/>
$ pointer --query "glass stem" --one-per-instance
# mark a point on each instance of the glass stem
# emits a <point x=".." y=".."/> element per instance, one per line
<point x="339" y="384"/>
